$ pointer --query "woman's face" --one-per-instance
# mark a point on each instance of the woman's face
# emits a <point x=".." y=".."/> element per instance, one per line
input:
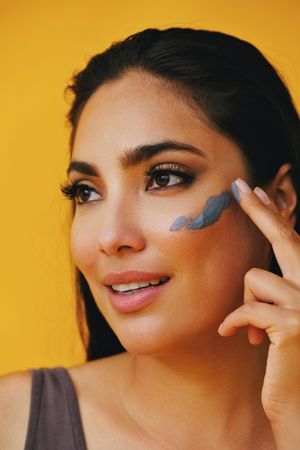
<point x="121" y="229"/>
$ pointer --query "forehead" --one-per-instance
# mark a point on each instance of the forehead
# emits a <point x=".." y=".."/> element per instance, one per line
<point x="130" y="109"/>
<point x="139" y="109"/>
<point x="138" y="94"/>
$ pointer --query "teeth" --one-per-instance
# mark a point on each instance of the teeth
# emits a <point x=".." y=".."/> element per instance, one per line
<point x="137" y="285"/>
<point x="155" y="283"/>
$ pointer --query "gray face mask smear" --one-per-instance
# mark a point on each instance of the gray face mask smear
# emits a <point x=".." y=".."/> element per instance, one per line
<point x="209" y="215"/>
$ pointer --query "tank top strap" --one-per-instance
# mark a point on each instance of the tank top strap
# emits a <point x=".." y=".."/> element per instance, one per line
<point x="54" y="418"/>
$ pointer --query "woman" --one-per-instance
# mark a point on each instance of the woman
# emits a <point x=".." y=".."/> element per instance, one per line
<point x="192" y="264"/>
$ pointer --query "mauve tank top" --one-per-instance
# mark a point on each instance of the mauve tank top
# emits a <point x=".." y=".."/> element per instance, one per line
<point x="54" y="420"/>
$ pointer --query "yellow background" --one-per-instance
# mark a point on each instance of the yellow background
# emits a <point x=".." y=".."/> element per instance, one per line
<point x="42" y="43"/>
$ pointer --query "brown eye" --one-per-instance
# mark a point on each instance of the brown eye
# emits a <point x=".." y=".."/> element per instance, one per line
<point x="162" y="179"/>
<point x="167" y="175"/>
<point x="81" y="193"/>
<point x="85" y="194"/>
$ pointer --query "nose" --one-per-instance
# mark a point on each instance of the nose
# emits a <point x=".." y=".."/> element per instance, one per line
<point x="120" y="231"/>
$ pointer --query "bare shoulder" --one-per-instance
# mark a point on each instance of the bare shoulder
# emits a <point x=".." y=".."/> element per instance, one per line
<point x="89" y="376"/>
<point x="15" y="395"/>
<point x="97" y="386"/>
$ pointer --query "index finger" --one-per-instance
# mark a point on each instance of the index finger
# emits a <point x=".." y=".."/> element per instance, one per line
<point x="282" y="236"/>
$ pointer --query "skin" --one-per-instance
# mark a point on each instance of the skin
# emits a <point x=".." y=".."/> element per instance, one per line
<point x="208" y="216"/>
<point x="278" y="316"/>
<point x="206" y="388"/>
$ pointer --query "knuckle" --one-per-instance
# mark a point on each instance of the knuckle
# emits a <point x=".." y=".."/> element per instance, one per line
<point x="290" y="331"/>
<point x="252" y="273"/>
<point x="288" y="234"/>
<point x="293" y="324"/>
<point x="256" y="203"/>
<point x="249" y="307"/>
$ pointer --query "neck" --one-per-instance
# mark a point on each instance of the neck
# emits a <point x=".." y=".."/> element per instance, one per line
<point x="214" y="390"/>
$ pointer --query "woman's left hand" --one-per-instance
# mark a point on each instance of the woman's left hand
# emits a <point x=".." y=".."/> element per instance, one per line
<point x="272" y="306"/>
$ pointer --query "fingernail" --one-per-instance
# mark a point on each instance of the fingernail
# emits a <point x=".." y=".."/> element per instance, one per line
<point x="243" y="186"/>
<point x="220" y="327"/>
<point x="235" y="191"/>
<point x="262" y="195"/>
<point x="238" y="186"/>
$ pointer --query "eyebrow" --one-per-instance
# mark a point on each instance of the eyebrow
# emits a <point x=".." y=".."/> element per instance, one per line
<point x="136" y="155"/>
<point x="143" y="153"/>
<point x="82" y="167"/>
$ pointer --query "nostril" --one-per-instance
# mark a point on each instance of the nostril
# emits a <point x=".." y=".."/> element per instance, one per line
<point x="115" y="248"/>
<point x="123" y="247"/>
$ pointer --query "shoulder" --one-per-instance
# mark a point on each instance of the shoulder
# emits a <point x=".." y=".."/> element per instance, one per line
<point x="89" y="376"/>
<point x="15" y="395"/>
<point x="97" y="387"/>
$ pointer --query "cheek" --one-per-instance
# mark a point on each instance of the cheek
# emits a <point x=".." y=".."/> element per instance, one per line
<point x="210" y="263"/>
<point x="82" y="247"/>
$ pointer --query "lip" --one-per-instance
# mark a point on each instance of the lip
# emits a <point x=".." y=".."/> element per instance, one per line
<point x="130" y="276"/>
<point x="127" y="303"/>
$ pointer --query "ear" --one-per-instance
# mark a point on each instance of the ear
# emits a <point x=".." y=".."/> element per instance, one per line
<point x="282" y="191"/>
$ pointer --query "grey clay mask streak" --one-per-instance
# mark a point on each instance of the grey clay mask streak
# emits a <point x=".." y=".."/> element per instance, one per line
<point x="208" y="216"/>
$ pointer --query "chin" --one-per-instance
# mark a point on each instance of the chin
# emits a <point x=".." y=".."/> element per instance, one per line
<point x="157" y="339"/>
<point x="139" y="337"/>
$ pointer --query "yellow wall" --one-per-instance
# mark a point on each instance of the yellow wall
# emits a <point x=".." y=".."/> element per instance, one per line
<point x="42" y="43"/>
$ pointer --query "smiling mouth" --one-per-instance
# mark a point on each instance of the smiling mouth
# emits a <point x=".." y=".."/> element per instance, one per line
<point x="130" y="288"/>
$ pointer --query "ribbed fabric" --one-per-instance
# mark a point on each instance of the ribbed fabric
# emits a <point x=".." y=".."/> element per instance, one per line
<point x="54" y="420"/>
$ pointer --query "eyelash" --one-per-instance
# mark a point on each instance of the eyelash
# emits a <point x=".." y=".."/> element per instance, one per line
<point x="170" y="169"/>
<point x="72" y="190"/>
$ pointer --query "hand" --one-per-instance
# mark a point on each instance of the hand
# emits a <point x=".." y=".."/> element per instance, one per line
<point x="272" y="306"/>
